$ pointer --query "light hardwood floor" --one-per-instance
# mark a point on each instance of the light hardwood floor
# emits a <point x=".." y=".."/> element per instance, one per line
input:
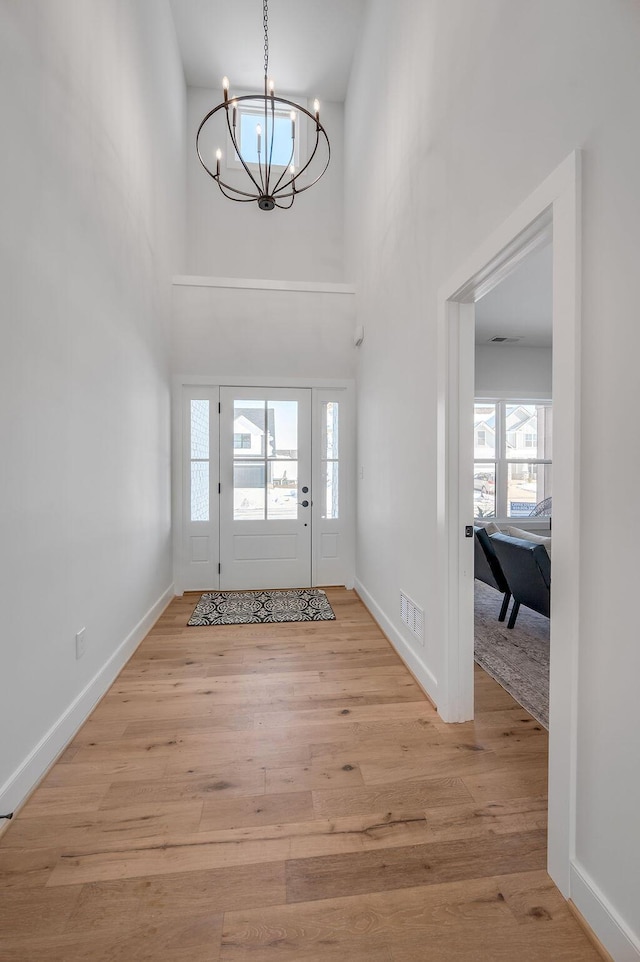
<point x="286" y="793"/>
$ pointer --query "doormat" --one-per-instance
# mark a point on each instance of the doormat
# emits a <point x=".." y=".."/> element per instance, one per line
<point x="261" y="607"/>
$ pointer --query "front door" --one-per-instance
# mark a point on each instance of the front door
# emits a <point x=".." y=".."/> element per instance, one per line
<point x="265" y="488"/>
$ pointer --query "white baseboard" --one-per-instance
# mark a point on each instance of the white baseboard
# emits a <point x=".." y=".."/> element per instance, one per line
<point x="410" y="657"/>
<point x="24" y="779"/>
<point x="616" y="937"/>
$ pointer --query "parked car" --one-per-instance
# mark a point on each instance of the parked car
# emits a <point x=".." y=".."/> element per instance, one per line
<point x="484" y="483"/>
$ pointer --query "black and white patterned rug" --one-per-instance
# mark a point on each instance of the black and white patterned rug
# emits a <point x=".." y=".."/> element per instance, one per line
<point x="261" y="607"/>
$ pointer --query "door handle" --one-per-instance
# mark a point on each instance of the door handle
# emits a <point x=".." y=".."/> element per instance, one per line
<point x="305" y="503"/>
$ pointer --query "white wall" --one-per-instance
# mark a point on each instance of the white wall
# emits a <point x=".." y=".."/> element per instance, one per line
<point x="262" y="333"/>
<point x="475" y="105"/>
<point x="227" y="239"/>
<point x="504" y="370"/>
<point x="92" y="171"/>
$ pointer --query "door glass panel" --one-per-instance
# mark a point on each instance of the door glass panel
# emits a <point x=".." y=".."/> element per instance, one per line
<point x="200" y="429"/>
<point x="265" y="460"/>
<point x="199" y="490"/>
<point x="248" y="490"/>
<point x="199" y="442"/>
<point x="330" y="430"/>
<point x="248" y="429"/>
<point x="331" y="490"/>
<point x="282" y="429"/>
<point x="329" y="454"/>
<point x="282" y="490"/>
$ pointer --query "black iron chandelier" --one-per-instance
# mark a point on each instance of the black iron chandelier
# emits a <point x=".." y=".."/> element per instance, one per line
<point x="268" y="152"/>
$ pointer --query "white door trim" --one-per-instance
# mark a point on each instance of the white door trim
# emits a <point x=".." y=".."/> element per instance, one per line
<point x="553" y="206"/>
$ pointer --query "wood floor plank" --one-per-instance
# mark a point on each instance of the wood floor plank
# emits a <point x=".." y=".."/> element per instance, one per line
<point x="255" y="810"/>
<point x="107" y="826"/>
<point x="286" y="793"/>
<point x="408" y="866"/>
<point x="390" y="916"/>
<point x="409" y="800"/>
<point x="559" y="942"/>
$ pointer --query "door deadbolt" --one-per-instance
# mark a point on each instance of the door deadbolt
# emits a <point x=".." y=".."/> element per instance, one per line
<point x="305" y="503"/>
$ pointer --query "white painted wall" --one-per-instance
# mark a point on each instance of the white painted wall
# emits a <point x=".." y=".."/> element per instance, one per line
<point x="476" y="105"/>
<point x="92" y="174"/>
<point x="262" y="333"/>
<point x="505" y="370"/>
<point x="227" y="239"/>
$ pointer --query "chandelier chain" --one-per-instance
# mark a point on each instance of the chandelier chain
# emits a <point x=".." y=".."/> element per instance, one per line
<point x="265" y="20"/>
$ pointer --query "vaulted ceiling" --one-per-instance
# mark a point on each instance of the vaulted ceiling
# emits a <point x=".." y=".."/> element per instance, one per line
<point x="311" y="43"/>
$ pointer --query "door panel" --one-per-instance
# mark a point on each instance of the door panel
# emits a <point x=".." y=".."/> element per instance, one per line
<point x="265" y="462"/>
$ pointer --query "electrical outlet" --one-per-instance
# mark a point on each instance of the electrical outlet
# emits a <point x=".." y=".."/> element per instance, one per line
<point x="80" y="643"/>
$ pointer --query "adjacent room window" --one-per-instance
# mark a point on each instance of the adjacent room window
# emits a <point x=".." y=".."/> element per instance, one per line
<point x="242" y="440"/>
<point x="512" y="464"/>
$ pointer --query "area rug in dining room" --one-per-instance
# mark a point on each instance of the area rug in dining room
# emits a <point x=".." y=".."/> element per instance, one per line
<point x="518" y="658"/>
<point x="261" y="607"/>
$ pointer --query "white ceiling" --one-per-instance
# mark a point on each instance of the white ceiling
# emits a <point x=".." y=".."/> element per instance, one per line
<point x="311" y="44"/>
<point x="521" y="306"/>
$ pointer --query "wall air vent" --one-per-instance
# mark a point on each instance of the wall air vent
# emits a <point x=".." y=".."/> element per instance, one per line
<point x="503" y="340"/>
<point x="412" y="616"/>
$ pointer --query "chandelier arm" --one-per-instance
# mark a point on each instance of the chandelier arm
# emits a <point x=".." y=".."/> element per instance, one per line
<point x="233" y="140"/>
<point x="236" y="190"/>
<point x="290" y="204"/>
<point x="313" y="152"/>
<point x="299" y="190"/>
<point x="282" y="175"/>
<point x="237" y="150"/>
<point x="247" y="199"/>
<point x="264" y="178"/>
<point x="273" y="135"/>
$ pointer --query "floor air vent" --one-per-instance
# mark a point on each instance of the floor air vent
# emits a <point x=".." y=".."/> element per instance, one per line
<point x="412" y="616"/>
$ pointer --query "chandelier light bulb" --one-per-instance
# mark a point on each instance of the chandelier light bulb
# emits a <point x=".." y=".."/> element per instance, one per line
<point x="272" y="87"/>
<point x="316" y="108"/>
<point x="225" y="87"/>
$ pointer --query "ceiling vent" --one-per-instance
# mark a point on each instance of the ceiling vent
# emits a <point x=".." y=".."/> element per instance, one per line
<point x="412" y="616"/>
<point x="503" y="340"/>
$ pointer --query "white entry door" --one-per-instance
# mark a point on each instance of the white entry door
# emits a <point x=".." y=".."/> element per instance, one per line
<point x="265" y="488"/>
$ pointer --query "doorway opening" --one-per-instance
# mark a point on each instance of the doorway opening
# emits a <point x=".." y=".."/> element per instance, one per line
<point x="552" y="211"/>
<point x="513" y="484"/>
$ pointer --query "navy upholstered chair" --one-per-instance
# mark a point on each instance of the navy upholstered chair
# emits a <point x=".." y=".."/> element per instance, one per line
<point x="527" y="568"/>
<point x="487" y="568"/>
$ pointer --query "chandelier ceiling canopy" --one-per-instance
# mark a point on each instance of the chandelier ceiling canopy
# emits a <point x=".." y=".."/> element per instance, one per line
<point x="276" y="148"/>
